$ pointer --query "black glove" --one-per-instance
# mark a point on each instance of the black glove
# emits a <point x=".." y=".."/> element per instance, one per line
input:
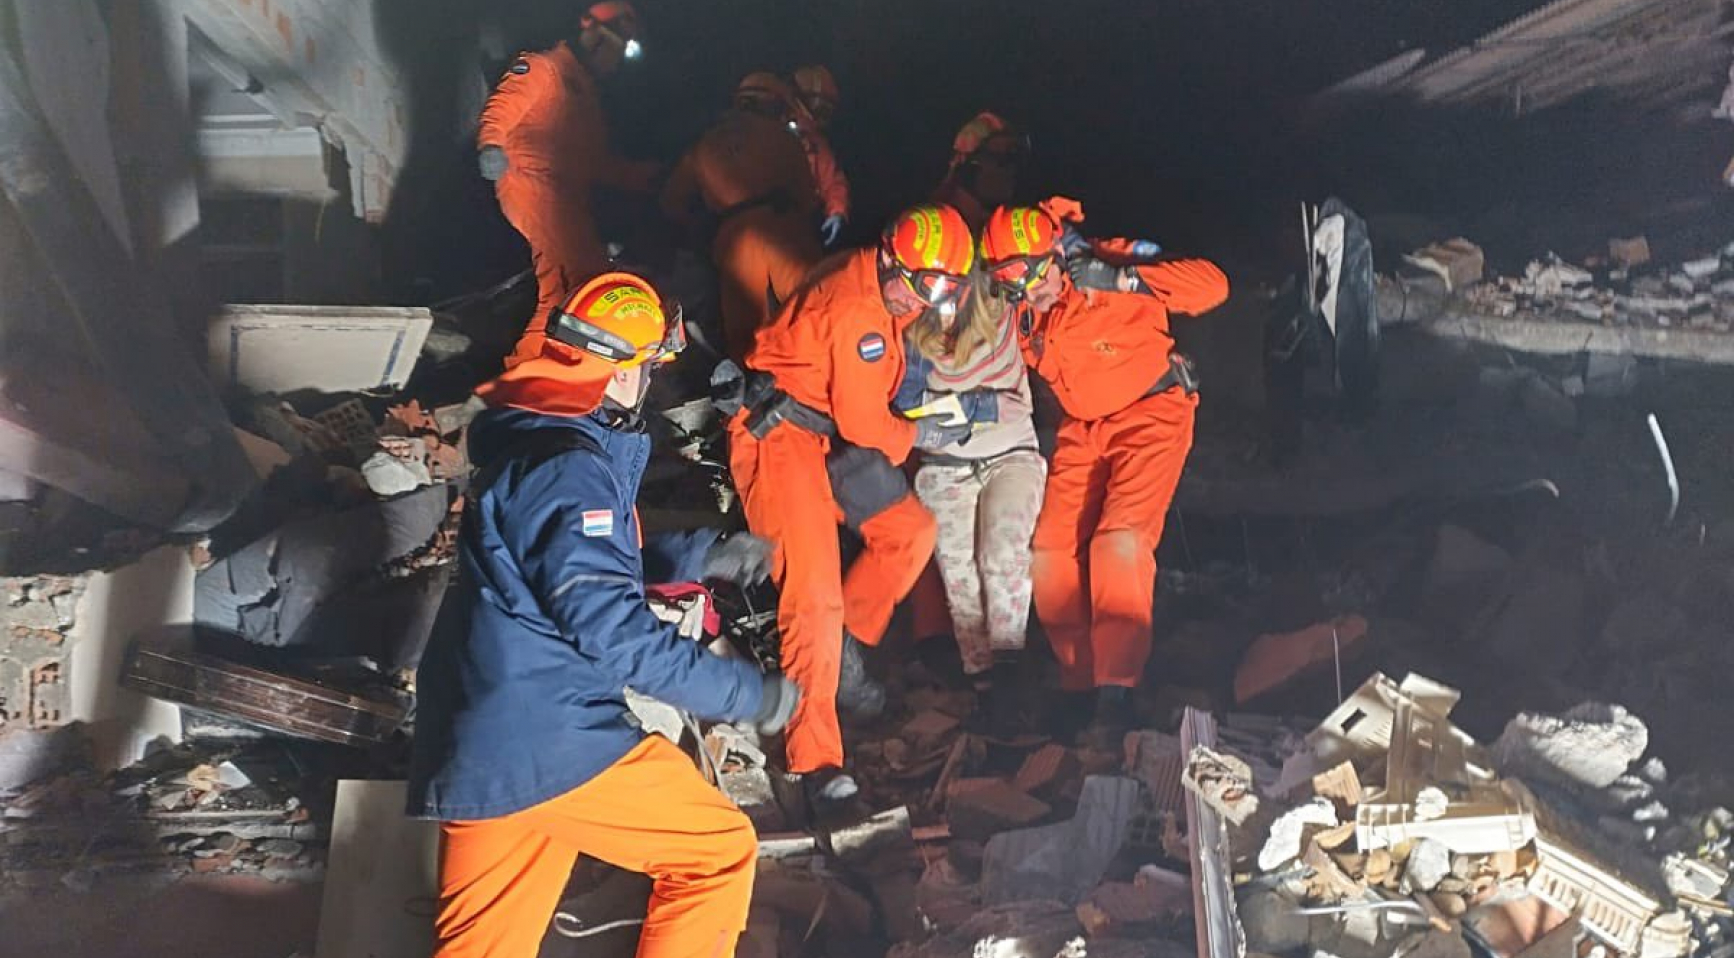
<point x="742" y="559"/>
<point x="493" y="163"/>
<point x="777" y="705"/>
<point x="1088" y="272"/>
<point x="932" y="434"/>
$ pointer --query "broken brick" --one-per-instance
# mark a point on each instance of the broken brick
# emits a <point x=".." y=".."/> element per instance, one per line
<point x="1223" y="782"/>
<point x="1340" y="784"/>
<point x="929" y="725"/>
<point x="1276" y="660"/>
<point x="1044" y="768"/>
<point x="978" y="807"/>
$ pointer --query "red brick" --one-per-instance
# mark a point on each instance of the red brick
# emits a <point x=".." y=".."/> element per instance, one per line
<point x="1044" y="768"/>
<point x="981" y="807"/>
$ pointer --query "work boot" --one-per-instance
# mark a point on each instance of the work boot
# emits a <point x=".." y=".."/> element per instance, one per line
<point x="858" y="694"/>
<point x="833" y="798"/>
<point x="999" y="701"/>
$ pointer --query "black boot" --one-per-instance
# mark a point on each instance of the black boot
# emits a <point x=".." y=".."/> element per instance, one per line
<point x="1000" y="700"/>
<point x="858" y="694"/>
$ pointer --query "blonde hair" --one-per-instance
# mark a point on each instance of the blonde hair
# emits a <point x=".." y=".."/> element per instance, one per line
<point x="976" y="328"/>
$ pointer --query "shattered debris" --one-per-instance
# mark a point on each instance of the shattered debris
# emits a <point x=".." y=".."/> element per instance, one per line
<point x="1437" y="844"/>
<point x="1223" y="782"/>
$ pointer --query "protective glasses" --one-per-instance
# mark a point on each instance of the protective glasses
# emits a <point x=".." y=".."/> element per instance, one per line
<point x="588" y="337"/>
<point x="934" y="287"/>
<point x="1016" y="275"/>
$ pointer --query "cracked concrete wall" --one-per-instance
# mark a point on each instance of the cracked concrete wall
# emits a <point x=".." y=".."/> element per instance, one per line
<point x="321" y="63"/>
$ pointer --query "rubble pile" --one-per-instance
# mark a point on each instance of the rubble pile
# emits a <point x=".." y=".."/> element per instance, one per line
<point x="1389" y="831"/>
<point x="988" y="846"/>
<point x="182" y="810"/>
<point x="1624" y="289"/>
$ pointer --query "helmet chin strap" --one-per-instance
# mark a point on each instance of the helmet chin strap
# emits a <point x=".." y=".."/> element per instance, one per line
<point x="619" y="416"/>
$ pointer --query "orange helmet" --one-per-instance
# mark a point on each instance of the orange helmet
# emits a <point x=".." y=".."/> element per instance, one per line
<point x="931" y="248"/>
<point x="817" y="89"/>
<point x="1019" y="245"/>
<point x="764" y="93"/>
<point x="620" y="319"/>
<point x="987" y="133"/>
<point x="612" y="322"/>
<point x="620" y="19"/>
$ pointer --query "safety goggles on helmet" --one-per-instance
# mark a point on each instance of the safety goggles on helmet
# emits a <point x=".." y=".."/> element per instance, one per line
<point x="581" y="334"/>
<point x="935" y="287"/>
<point x="933" y="250"/>
<point x="1017" y="275"/>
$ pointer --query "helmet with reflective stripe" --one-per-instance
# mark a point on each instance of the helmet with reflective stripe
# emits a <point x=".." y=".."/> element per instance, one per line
<point x="1019" y="245"/>
<point x="932" y="248"/>
<point x="620" y="319"/>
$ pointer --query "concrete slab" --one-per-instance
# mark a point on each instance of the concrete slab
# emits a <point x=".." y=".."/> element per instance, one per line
<point x="280" y="349"/>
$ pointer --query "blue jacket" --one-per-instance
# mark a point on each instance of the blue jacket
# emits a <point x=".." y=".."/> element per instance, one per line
<point x="526" y="703"/>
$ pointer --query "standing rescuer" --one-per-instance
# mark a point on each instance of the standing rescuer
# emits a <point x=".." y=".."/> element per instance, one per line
<point x="525" y="750"/>
<point x="816" y="443"/>
<point x="986" y="155"/>
<point x="544" y="142"/>
<point x="751" y="173"/>
<point x="1103" y="343"/>
<point x="815" y="104"/>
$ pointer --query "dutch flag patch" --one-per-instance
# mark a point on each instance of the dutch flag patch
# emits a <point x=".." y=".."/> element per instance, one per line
<point x="598" y="522"/>
<point x="871" y="347"/>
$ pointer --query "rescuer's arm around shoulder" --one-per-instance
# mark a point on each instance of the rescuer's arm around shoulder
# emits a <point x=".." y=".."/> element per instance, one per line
<point x="579" y="553"/>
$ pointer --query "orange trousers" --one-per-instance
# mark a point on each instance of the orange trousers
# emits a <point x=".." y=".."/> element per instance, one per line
<point x="761" y="256"/>
<point x="787" y="496"/>
<point x="555" y="220"/>
<point x="501" y="878"/>
<point x="1094" y="566"/>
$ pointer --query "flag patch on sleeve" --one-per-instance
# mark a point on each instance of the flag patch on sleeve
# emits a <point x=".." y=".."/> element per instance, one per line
<point x="598" y="522"/>
<point x="871" y="347"/>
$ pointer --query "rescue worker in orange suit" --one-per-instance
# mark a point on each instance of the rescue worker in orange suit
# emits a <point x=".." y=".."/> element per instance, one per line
<point x="524" y="747"/>
<point x="751" y="173"/>
<point x="1098" y="333"/>
<point x="816" y="443"/>
<point x="815" y="104"/>
<point x="986" y="155"/>
<point x="544" y="142"/>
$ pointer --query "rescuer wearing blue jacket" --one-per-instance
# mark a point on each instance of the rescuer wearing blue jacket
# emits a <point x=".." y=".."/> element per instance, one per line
<point x="525" y="750"/>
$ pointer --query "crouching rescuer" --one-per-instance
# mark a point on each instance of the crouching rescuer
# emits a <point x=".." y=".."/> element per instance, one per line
<point x="815" y="442"/>
<point x="525" y="750"/>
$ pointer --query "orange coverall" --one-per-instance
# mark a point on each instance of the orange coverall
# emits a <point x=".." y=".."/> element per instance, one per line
<point x="1115" y="467"/>
<point x="750" y="170"/>
<point x="546" y="115"/>
<point x="836" y="349"/>
<point x="646" y="813"/>
<point x="828" y="179"/>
